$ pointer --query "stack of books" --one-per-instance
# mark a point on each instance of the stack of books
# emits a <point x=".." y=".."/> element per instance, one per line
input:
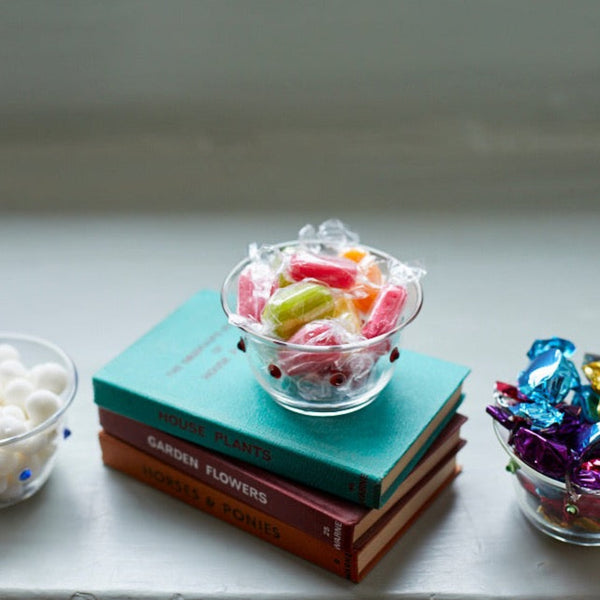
<point x="181" y="411"/>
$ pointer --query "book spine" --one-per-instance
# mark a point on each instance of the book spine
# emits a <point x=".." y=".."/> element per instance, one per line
<point x="329" y="477"/>
<point x="260" y="490"/>
<point x="147" y="469"/>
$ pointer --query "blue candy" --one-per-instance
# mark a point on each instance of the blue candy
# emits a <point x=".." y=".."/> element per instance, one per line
<point x="587" y="440"/>
<point x="541" y="415"/>
<point x="565" y="346"/>
<point x="549" y="377"/>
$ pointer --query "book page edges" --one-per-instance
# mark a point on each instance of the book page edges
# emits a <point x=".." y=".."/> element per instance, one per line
<point x="421" y="444"/>
<point x="399" y="522"/>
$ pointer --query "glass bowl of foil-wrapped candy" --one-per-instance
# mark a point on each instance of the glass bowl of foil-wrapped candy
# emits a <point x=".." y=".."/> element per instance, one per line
<point x="549" y="424"/>
<point x="321" y="317"/>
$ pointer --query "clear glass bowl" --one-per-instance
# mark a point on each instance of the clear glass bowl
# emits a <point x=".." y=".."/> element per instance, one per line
<point x="26" y="460"/>
<point x="570" y="515"/>
<point x="352" y="375"/>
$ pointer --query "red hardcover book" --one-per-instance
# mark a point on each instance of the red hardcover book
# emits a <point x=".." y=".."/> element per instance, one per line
<point x="352" y="565"/>
<point x="333" y="520"/>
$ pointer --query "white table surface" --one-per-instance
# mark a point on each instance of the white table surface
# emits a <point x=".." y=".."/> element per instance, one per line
<point x="93" y="284"/>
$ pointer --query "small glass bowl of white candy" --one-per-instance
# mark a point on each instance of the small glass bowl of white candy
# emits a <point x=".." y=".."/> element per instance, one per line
<point x="38" y="382"/>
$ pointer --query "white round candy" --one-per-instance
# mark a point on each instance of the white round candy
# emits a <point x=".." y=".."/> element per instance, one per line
<point x="11" y="369"/>
<point x="9" y="461"/>
<point x="8" y="352"/>
<point x="50" y="376"/>
<point x="9" y="426"/>
<point x="46" y="448"/>
<point x="17" y="391"/>
<point x="41" y="405"/>
<point x="36" y="443"/>
<point x="11" y="410"/>
<point x="13" y="490"/>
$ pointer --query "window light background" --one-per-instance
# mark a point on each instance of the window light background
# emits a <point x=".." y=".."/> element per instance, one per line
<point x="295" y="105"/>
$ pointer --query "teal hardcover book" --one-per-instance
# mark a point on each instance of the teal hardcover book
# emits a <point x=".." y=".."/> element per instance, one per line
<point x="187" y="378"/>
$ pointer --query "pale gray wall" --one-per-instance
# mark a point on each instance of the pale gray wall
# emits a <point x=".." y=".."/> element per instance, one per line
<point x="253" y="103"/>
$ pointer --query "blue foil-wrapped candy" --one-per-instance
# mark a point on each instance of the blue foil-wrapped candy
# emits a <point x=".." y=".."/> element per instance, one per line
<point x="586" y="443"/>
<point x="555" y="343"/>
<point x="549" y="377"/>
<point x="540" y="415"/>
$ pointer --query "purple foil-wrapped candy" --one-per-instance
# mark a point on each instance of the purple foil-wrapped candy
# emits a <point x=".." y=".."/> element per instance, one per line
<point x="569" y="428"/>
<point x="547" y="457"/>
<point x="588" y="475"/>
<point x="505" y="417"/>
<point x="566" y="347"/>
<point x="586" y="479"/>
<point x="549" y="377"/>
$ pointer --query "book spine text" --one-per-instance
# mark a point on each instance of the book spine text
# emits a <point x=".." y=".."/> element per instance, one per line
<point x="147" y="469"/>
<point x="283" y="461"/>
<point x="241" y="481"/>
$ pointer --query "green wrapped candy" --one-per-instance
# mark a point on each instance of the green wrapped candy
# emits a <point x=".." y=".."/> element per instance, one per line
<point x="295" y="305"/>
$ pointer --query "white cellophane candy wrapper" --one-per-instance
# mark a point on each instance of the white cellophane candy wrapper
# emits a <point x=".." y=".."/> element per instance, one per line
<point x="331" y="235"/>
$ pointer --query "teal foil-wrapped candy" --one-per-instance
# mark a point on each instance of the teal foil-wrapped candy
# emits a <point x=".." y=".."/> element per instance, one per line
<point x="549" y="377"/>
<point x="555" y="343"/>
<point x="539" y="415"/>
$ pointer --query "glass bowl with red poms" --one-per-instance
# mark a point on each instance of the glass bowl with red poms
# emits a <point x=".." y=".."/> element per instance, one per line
<point x="321" y="318"/>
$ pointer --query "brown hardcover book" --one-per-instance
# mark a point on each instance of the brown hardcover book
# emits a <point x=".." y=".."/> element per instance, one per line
<point x="352" y="565"/>
<point x="333" y="520"/>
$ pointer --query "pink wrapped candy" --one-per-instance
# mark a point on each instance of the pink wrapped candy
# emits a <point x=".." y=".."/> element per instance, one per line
<point x="324" y="332"/>
<point x="256" y="284"/>
<point x="386" y="311"/>
<point x="334" y="271"/>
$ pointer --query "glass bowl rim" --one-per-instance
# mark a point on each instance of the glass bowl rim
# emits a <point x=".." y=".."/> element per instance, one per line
<point x="5" y="338"/>
<point x="360" y="345"/>
<point x="499" y="430"/>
